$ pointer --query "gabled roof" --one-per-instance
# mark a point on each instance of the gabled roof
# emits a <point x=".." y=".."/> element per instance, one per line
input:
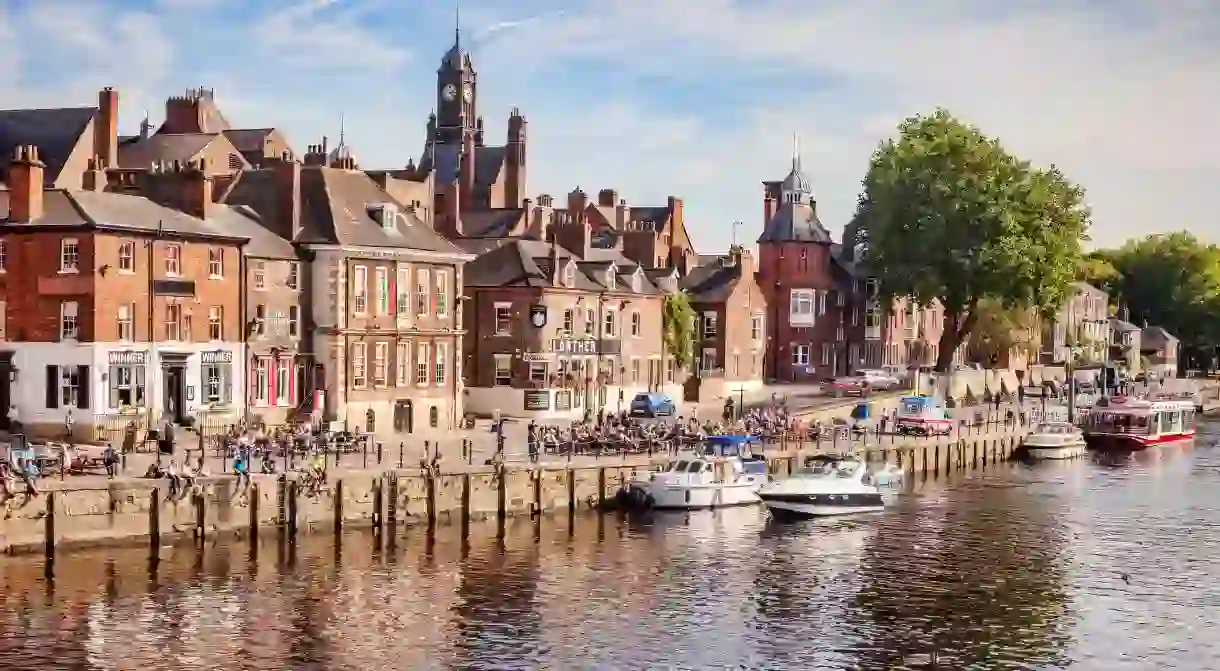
<point x="1151" y="334"/>
<point x="124" y="212"/>
<point x="56" y="133"/>
<point x="443" y="160"/>
<point x="526" y="263"/>
<point x="795" y="222"/>
<point x="1123" y="326"/>
<point x="712" y="282"/>
<point x="248" y="139"/>
<point x="141" y="154"/>
<point x="492" y="223"/>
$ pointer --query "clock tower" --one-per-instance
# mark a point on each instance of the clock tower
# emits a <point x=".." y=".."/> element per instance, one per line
<point x="456" y="91"/>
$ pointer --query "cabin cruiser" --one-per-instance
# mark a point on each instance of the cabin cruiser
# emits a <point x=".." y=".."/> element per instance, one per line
<point x="1055" y="440"/>
<point x="1125" y="424"/>
<point x="725" y="474"/>
<point x="827" y="485"/>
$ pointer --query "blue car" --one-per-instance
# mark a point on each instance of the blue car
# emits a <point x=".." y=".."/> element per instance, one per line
<point x="652" y="405"/>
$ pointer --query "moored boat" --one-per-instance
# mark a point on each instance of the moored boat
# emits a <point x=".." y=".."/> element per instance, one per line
<point x="1128" y="424"/>
<point x="827" y="485"/>
<point x="725" y="474"/>
<point x="1055" y="440"/>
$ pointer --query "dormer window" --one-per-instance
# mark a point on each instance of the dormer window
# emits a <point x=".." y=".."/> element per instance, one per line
<point x="385" y="214"/>
<point x="636" y="280"/>
<point x="610" y="273"/>
<point x="569" y="275"/>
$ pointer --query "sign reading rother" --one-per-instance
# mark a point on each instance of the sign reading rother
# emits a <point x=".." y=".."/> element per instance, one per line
<point x="584" y="346"/>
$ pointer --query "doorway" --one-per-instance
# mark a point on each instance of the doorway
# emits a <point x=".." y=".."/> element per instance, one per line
<point x="175" y="393"/>
<point x="6" y="383"/>
<point x="404" y="416"/>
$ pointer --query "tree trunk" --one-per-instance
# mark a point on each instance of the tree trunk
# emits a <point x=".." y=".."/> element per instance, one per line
<point x="956" y="327"/>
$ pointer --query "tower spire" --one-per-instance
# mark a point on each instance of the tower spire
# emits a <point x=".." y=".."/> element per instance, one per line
<point x="457" y="23"/>
<point x="796" y="153"/>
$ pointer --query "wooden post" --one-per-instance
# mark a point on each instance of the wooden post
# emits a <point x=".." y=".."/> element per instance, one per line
<point x="254" y="497"/>
<point x="49" y="524"/>
<point x="337" y="508"/>
<point x="154" y="520"/>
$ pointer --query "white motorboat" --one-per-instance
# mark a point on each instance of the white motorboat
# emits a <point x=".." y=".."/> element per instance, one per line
<point x="1055" y="440"/>
<point x="726" y="474"/>
<point x="827" y="485"/>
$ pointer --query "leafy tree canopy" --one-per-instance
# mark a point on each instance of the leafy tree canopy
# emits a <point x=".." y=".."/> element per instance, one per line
<point x="1000" y="330"/>
<point x="948" y="215"/>
<point x="678" y="322"/>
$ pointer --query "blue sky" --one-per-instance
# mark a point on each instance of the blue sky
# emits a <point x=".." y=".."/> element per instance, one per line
<point x="694" y="99"/>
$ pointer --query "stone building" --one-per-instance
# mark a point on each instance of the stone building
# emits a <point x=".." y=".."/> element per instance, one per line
<point x="559" y="327"/>
<point x="731" y="350"/>
<point x="120" y="308"/>
<point x="1083" y="322"/>
<point x="382" y="288"/>
<point x="1125" y="346"/>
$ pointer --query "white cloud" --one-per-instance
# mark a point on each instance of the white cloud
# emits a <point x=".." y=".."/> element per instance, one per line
<point x="693" y="99"/>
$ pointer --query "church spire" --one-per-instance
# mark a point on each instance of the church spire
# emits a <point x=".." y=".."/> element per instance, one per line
<point x="796" y="153"/>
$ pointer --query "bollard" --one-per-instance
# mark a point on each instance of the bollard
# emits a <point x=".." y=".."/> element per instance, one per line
<point x="286" y="446"/>
<point x="378" y="453"/>
<point x="401" y="449"/>
<point x="335" y="444"/>
<point x="427" y="448"/>
<point x="364" y="464"/>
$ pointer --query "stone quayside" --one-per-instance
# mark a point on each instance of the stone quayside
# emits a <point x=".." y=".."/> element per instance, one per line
<point x="134" y="510"/>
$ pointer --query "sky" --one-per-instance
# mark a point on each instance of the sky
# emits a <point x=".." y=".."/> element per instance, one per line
<point x="699" y="100"/>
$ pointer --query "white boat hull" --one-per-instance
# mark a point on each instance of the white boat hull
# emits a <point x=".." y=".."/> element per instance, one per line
<point x="692" y="497"/>
<point x="793" y="510"/>
<point x="1072" y="451"/>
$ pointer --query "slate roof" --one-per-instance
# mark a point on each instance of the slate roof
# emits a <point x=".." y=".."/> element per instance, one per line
<point x="1123" y="326"/>
<point x="248" y="139"/>
<point x="795" y="222"/>
<point x="525" y="263"/>
<point x="713" y="282"/>
<point x="1153" y="334"/>
<point x="494" y="223"/>
<point x="335" y="210"/>
<point x="124" y="212"/>
<point x="141" y="154"/>
<point x="55" y="132"/>
<point x="443" y="159"/>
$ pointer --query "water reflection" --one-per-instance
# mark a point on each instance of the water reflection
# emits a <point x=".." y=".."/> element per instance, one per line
<point x="1020" y="567"/>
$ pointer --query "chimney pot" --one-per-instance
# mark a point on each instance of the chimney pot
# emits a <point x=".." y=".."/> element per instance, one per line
<point x="25" y="185"/>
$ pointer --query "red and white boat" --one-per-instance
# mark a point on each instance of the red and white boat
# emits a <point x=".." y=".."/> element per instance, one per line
<point x="1128" y="424"/>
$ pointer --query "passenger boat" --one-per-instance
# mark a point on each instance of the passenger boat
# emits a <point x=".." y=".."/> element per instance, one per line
<point x="1125" y="424"/>
<point x="827" y="485"/>
<point x="1055" y="440"/>
<point x="725" y="474"/>
<point x="922" y="416"/>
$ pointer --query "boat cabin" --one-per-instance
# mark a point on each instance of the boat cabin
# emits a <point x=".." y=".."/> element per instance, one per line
<point x="1142" y="418"/>
<point x="831" y="465"/>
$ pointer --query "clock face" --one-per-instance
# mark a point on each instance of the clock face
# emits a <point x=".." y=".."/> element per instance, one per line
<point x="449" y="92"/>
<point x="467" y="93"/>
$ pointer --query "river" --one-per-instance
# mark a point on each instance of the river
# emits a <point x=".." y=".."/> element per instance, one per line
<point x="1081" y="565"/>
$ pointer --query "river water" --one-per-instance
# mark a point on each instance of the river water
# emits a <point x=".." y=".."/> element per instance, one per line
<point x="1082" y="565"/>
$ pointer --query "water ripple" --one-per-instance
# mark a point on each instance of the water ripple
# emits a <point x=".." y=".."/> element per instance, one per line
<point x="1087" y="565"/>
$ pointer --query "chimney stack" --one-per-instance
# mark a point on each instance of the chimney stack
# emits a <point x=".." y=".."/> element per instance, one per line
<point x="25" y="185"/>
<point x="607" y="198"/>
<point x="106" y="128"/>
<point x="578" y="200"/>
<point x="545" y="200"/>
<point x="95" y="175"/>
<point x="451" y="214"/>
<point x="288" y="197"/>
<point x="197" y="190"/>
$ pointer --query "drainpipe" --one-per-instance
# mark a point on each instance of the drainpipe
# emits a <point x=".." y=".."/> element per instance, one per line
<point x="243" y="320"/>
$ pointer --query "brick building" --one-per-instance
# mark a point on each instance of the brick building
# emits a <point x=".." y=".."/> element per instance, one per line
<point x="731" y="350"/>
<point x="560" y="327"/>
<point x="118" y="308"/>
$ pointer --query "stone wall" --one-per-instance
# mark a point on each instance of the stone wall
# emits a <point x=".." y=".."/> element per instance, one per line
<point x="133" y="511"/>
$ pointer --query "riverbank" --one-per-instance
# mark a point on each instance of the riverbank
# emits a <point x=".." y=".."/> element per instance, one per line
<point x="70" y="514"/>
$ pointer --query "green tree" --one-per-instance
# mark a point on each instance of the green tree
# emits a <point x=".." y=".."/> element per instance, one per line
<point x="947" y="215"/>
<point x="678" y="322"/>
<point x="1000" y="330"/>
<point x="1173" y="281"/>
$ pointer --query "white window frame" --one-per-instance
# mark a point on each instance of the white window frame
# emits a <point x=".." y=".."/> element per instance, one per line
<point x="539" y="371"/>
<point x="69" y="255"/>
<point x="381" y="363"/>
<point x="359" y="367"/>
<point x="441" y="352"/>
<point x="800" y="354"/>
<point x="757" y="322"/>
<point x="609" y="323"/>
<point x="636" y="324"/>
<point x="442" y="294"/>
<point x="293" y="280"/>
<point x="216" y="321"/>
<point x="127" y="322"/>
<point x="402" y="291"/>
<point x="507" y="309"/>
<point x="69" y="386"/>
<point x="258" y="275"/>
<point x="422" y="291"/>
<point x="216" y="263"/>
<point x="381" y="281"/>
<point x="421" y="364"/>
<point x="590" y="321"/>
<point x="710" y="328"/>
<point x="569" y="320"/>
<point x="402" y="363"/>
<point x="69" y="320"/>
<point x="3" y="256"/>
<point x="173" y="260"/>
<point x="360" y="296"/>
<point x="503" y="364"/>
<point x="827" y="350"/>
<point x="127" y="257"/>
<point x="283" y="382"/>
<point x="262" y="381"/>
<point x="173" y="321"/>
<point x="802" y="304"/>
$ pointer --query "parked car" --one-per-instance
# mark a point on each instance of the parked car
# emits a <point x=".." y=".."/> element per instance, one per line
<point x="848" y="386"/>
<point x="652" y="405"/>
<point x="878" y="379"/>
